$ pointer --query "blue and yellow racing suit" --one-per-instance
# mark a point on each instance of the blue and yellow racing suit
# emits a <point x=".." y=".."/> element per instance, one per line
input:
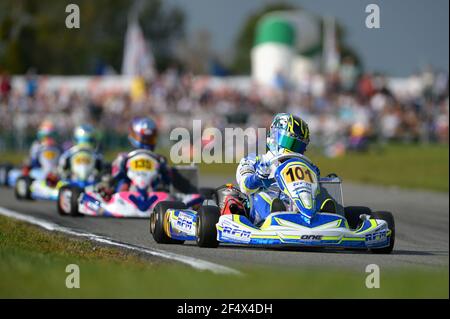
<point x="261" y="192"/>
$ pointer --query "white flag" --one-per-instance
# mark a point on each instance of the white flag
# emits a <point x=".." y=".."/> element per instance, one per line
<point x="137" y="58"/>
<point x="331" y="56"/>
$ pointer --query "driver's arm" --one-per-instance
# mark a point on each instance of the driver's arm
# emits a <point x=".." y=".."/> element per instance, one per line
<point x="249" y="182"/>
<point x="64" y="164"/>
<point x="33" y="160"/>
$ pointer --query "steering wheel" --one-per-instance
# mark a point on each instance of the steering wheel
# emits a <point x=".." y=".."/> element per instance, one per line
<point x="281" y="157"/>
<point x="287" y="156"/>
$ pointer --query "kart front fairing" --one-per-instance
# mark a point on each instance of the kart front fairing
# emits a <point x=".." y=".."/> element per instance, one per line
<point x="41" y="190"/>
<point x="287" y="229"/>
<point x="14" y="174"/>
<point x="297" y="180"/>
<point x="121" y="204"/>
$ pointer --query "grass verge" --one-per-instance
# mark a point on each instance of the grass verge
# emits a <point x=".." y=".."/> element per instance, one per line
<point x="33" y="263"/>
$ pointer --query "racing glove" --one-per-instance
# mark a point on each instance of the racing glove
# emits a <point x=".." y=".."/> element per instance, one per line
<point x="263" y="170"/>
<point x="52" y="179"/>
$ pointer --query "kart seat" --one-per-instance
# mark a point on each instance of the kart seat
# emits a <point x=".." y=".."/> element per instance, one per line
<point x="277" y="206"/>
<point x="328" y="206"/>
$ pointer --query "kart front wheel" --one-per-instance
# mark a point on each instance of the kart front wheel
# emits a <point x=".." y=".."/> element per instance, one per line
<point x="158" y="222"/>
<point x="68" y="200"/>
<point x="22" y="189"/>
<point x="352" y="214"/>
<point x="207" y="218"/>
<point x="389" y="219"/>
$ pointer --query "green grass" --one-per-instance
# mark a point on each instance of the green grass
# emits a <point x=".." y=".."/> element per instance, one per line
<point x="406" y="166"/>
<point x="33" y="262"/>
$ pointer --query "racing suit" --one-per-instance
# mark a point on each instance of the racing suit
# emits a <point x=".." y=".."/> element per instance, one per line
<point x="119" y="171"/>
<point x="35" y="152"/>
<point x="64" y="165"/>
<point x="261" y="192"/>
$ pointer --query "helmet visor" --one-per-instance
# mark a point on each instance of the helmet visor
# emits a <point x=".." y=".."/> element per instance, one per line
<point x="85" y="139"/>
<point x="145" y="141"/>
<point x="288" y="141"/>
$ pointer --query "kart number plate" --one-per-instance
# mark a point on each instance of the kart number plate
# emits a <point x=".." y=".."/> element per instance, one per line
<point x="82" y="159"/>
<point x="141" y="164"/>
<point x="296" y="173"/>
<point x="49" y="155"/>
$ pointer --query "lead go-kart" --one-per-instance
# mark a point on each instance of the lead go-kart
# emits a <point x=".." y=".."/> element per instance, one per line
<point x="298" y="223"/>
<point x="140" y="199"/>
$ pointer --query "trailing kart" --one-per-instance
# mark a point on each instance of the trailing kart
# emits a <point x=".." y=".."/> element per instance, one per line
<point x="295" y="221"/>
<point x="139" y="201"/>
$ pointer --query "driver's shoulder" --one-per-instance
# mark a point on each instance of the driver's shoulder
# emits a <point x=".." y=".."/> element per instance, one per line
<point x="249" y="159"/>
<point x="160" y="158"/>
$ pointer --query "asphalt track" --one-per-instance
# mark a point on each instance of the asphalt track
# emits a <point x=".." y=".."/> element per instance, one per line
<point x="422" y="225"/>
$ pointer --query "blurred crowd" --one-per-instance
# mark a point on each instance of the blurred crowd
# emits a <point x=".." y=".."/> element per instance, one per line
<point x="344" y="112"/>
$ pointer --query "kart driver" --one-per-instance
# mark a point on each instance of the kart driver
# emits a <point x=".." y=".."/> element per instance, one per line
<point x="46" y="136"/>
<point x="143" y="135"/>
<point x="84" y="139"/>
<point x="287" y="134"/>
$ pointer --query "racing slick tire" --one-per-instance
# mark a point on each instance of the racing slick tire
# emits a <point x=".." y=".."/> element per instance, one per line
<point x="389" y="218"/>
<point x="22" y="189"/>
<point x="206" y="231"/>
<point x="352" y="214"/>
<point x="63" y="211"/>
<point x="157" y="219"/>
<point x="207" y="192"/>
<point x="72" y="209"/>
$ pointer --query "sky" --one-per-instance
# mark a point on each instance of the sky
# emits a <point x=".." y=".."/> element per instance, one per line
<point x="413" y="33"/>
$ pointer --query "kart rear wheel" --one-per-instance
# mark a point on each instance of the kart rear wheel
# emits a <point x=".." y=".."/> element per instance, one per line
<point x="157" y="222"/>
<point x="22" y="189"/>
<point x="352" y="214"/>
<point x="208" y="217"/>
<point x="389" y="218"/>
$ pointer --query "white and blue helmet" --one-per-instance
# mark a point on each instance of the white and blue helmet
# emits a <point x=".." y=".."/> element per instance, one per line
<point x="143" y="133"/>
<point x="84" y="135"/>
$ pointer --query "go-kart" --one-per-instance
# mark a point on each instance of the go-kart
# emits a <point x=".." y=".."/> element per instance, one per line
<point x="294" y="221"/>
<point x="47" y="159"/>
<point x="138" y="201"/>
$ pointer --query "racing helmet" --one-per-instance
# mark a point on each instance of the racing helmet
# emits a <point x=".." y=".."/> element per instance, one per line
<point x="288" y="133"/>
<point x="142" y="133"/>
<point x="84" y="135"/>
<point x="46" y="131"/>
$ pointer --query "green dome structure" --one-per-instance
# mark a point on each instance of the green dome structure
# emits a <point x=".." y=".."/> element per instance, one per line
<point x="274" y="30"/>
